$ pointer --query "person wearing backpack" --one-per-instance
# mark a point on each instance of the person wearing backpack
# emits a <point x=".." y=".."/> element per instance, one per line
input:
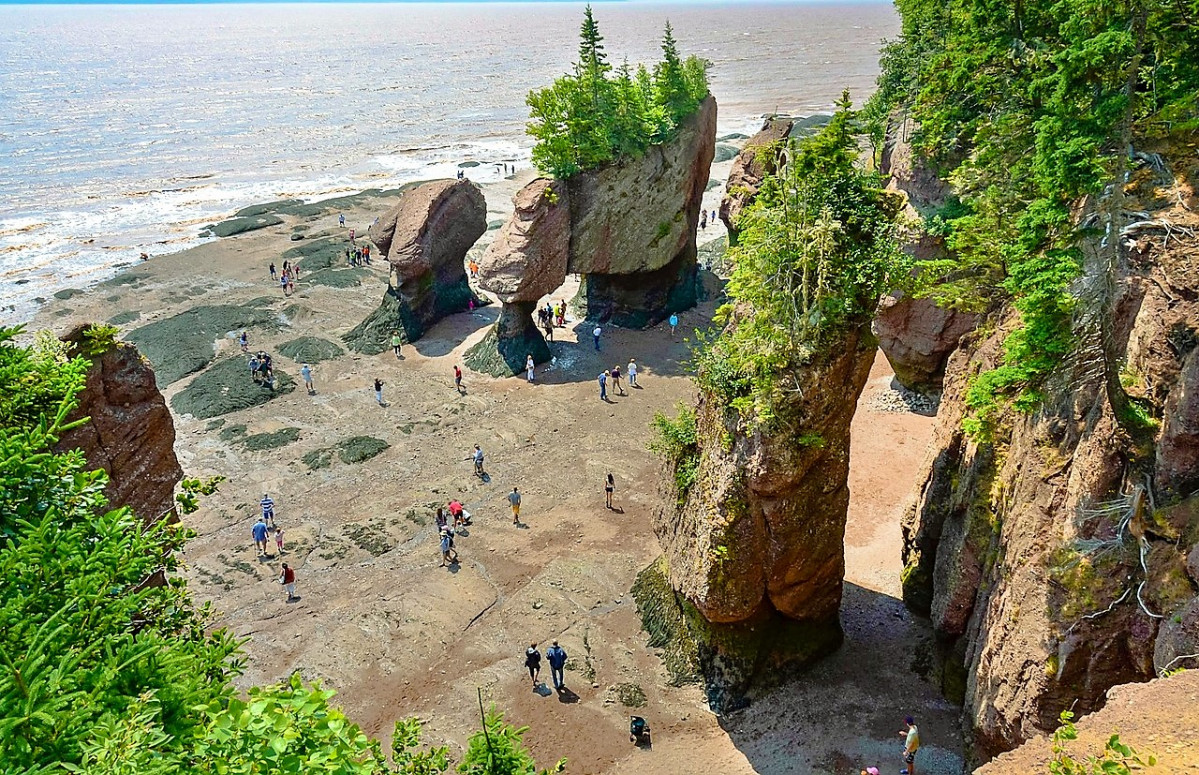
<point x="556" y="656"/>
<point x="533" y="662"/>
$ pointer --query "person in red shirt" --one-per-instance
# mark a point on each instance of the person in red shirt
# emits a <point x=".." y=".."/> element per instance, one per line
<point x="288" y="579"/>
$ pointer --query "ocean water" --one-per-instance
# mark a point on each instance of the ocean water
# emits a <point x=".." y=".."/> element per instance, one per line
<point x="124" y="129"/>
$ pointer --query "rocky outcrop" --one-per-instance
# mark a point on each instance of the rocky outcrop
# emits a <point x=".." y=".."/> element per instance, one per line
<point x="749" y="170"/>
<point x="130" y="434"/>
<point x="631" y="233"/>
<point x="1048" y="555"/>
<point x="1158" y="719"/>
<point x="633" y="224"/>
<point x="1178" y="450"/>
<point x="527" y="260"/>
<point x="424" y="237"/>
<point x="756" y="546"/>
<point x="916" y="334"/>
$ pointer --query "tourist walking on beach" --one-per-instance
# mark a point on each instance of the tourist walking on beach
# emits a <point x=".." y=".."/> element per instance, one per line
<point x="529" y="367"/>
<point x="268" y="509"/>
<point x="341" y="220"/>
<point x="911" y="744"/>
<point x="379" y="391"/>
<point x="616" y="380"/>
<point x="288" y="579"/>
<point x="442" y="519"/>
<point x="674" y="322"/>
<point x="283" y="284"/>
<point x="306" y="375"/>
<point x="548" y="326"/>
<point x="556" y="656"/>
<point x="609" y="488"/>
<point x="254" y="367"/>
<point x="458" y="379"/>
<point x="477" y="456"/>
<point x="279" y="540"/>
<point x="366" y="254"/>
<point x="449" y="555"/>
<point x="632" y="372"/>
<point x="474" y="269"/>
<point x="533" y="662"/>
<point x="596" y="335"/>
<point x="259" y="532"/>
<point x="703" y="220"/>
<point x="514" y="502"/>
<point x="562" y="313"/>
<point x="274" y="275"/>
<point x="396" y="343"/>
<point x="244" y="341"/>
<point x="603" y="383"/>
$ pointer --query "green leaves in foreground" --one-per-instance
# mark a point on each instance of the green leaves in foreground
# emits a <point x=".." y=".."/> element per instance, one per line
<point x="107" y="667"/>
<point x="499" y="750"/>
<point x="1116" y="759"/>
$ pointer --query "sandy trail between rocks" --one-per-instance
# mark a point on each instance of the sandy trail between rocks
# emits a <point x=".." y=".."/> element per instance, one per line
<point x="396" y="634"/>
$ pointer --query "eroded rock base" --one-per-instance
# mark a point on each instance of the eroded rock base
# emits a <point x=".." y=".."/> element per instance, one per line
<point x="736" y="662"/>
<point x="396" y="313"/>
<point x="505" y="348"/>
<point x="643" y="299"/>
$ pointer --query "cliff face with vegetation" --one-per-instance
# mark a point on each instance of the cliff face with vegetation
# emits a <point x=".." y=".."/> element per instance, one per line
<point x="1052" y="539"/>
<point x="130" y="434"/>
<point x="749" y="585"/>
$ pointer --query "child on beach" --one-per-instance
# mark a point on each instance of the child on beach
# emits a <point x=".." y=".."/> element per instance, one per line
<point x="279" y="540"/>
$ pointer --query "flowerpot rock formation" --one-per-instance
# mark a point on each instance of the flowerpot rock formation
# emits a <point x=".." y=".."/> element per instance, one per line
<point x="424" y="238"/>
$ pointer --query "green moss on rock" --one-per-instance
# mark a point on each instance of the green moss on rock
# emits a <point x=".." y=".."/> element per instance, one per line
<point x="235" y="226"/>
<point x="121" y="318"/>
<point x="358" y="449"/>
<point x="310" y="349"/>
<point x="227" y="387"/>
<point x="264" y="441"/>
<point x="184" y="343"/>
<point x="348" y="277"/>
<point x="318" y="458"/>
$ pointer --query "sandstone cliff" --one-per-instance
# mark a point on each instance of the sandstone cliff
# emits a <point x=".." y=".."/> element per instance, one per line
<point x="1159" y="718"/>
<point x="130" y="435"/>
<point x="749" y="170"/>
<point x="424" y="237"/>
<point x="1053" y="557"/>
<point x="916" y="334"/>
<point x="755" y="549"/>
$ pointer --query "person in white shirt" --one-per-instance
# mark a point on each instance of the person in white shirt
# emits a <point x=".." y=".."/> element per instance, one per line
<point x="632" y="372"/>
<point x="529" y="367"/>
<point x="596" y="334"/>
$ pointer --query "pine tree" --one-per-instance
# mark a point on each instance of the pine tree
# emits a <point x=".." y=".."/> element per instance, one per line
<point x="670" y="82"/>
<point x="592" y="60"/>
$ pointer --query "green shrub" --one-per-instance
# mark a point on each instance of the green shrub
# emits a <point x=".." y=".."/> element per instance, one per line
<point x="675" y="439"/>
<point x="595" y="115"/>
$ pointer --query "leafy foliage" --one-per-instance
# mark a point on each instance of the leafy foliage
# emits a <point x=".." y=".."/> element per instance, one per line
<point x="1116" y="759"/>
<point x="677" y="441"/>
<point x="594" y="114"/>
<point x="106" y="664"/>
<point x="815" y="251"/>
<point x="1028" y="107"/>
<point x="498" y="749"/>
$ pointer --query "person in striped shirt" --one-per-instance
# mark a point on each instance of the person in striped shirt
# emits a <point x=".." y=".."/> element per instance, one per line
<point x="268" y="509"/>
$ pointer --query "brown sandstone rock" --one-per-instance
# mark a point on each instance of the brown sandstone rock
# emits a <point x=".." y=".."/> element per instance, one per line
<point x="130" y="435"/>
<point x="424" y="237"/>
<point x="633" y="223"/>
<point x="1178" y="445"/>
<point x="917" y="337"/>
<point x="748" y="172"/>
<point x="528" y="257"/>
<point x="758" y="543"/>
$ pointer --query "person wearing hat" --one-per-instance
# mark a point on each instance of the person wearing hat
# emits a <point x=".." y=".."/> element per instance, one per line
<point x="556" y="656"/>
<point x="911" y="744"/>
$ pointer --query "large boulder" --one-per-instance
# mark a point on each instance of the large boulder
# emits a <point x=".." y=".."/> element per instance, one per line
<point x="526" y="260"/>
<point x="130" y="434"/>
<point x="749" y="170"/>
<point x="424" y="237"/>
<point x="633" y="223"/>
<point x="917" y="336"/>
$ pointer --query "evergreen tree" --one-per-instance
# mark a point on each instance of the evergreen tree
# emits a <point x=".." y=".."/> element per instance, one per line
<point x="593" y="61"/>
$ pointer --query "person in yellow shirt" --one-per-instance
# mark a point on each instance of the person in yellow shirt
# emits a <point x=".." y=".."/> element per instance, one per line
<point x="911" y="744"/>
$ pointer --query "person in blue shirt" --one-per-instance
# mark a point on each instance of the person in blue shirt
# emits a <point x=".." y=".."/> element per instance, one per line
<point x="674" y="322"/>
<point x="556" y="656"/>
<point x="259" y="533"/>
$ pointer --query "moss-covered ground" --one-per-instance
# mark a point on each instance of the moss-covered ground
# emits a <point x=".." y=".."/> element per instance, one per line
<point x="184" y="343"/>
<point x="227" y="387"/>
<point x="310" y="349"/>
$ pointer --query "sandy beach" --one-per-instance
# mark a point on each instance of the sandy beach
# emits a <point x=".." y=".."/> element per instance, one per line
<point x="396" y="634"/>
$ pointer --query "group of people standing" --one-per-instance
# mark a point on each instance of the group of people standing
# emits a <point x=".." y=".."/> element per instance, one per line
<point x="613" y="375"/>
<point x="358" y="255"/>
<point x="287" y="278"/>
<point x="260" y="531"/>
